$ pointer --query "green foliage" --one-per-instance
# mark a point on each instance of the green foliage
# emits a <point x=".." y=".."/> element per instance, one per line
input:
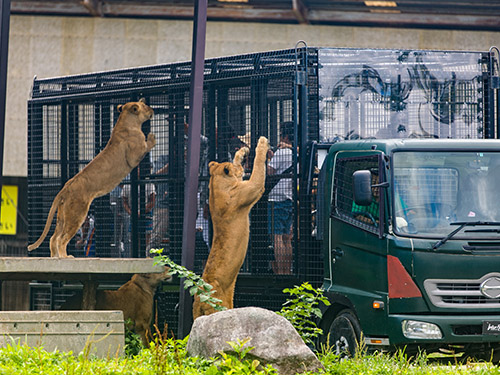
<point x="169" y="356"/>
<point x="302" y="309"/>
<point x="193" y="282"/>
<point x="401" y="363"/>
<point x="237" y="362"/>
<point x="133" y="342"/>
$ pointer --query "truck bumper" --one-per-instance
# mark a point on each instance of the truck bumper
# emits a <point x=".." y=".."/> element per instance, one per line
<point x="454" y="329"/>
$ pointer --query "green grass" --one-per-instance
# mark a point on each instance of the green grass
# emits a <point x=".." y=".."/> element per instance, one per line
<point x="168" y="356"/>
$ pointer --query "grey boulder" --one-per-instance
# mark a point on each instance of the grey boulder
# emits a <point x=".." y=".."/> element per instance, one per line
<point x="274" y="339"/>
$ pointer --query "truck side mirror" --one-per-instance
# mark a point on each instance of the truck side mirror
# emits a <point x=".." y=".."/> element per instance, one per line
<point x="362" y="183"/>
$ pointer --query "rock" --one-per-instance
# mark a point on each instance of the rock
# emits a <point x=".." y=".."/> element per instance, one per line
<point x="274" y="339"/>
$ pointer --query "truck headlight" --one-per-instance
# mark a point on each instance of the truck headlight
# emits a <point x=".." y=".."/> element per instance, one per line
<point x="413" y="329"/>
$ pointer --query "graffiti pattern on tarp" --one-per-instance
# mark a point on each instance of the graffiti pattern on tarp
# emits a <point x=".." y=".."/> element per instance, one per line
<point x="399" y="94"/>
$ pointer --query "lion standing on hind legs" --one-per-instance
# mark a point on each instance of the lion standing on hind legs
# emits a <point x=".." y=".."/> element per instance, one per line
<point x="230" y="202"/>
<point x="125" y="149"/>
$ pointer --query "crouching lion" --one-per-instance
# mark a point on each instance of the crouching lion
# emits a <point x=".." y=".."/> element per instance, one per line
<point x="124" y="151"/>
<point x="230" y="201"/>
<point x="134" y="298"/>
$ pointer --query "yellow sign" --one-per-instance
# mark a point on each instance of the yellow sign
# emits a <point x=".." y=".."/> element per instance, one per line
<point x="8" y="217"/>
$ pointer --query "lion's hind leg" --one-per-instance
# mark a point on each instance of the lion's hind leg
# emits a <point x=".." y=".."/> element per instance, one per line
<point x="70" y="217"/>
<point x="203" y="308"/>
<point x="55" y="240"/>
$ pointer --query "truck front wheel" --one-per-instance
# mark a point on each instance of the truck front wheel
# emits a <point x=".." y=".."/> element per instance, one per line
<point x="344" y="334"/>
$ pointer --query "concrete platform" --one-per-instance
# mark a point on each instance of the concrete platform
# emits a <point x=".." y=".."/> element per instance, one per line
<point x="89" y="271"/>
<point x="81" y="269"/>
<point x="101" y="331"/>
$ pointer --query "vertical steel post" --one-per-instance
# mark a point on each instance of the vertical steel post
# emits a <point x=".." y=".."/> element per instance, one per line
<point x="4" y="52"/>
<point x="193" y="159"/>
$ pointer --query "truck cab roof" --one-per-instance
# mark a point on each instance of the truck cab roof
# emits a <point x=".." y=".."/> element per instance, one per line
<point x="389" y="145"/>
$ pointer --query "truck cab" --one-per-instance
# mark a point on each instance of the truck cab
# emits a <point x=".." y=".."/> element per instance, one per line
<point x="412" y="245"/>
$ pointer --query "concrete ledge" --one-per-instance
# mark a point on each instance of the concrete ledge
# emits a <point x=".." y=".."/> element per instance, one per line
<point x="65" y="331"/>
<point x="96" y="269"/>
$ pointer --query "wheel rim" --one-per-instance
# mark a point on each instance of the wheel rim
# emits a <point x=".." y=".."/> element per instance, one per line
<point x="343" y="333"/>
<point x="342" y="346"/>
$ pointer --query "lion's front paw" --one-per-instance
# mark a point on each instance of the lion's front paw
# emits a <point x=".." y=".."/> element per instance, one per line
<point x="151" y="140"/>
<point x="240" y="155"/>
<point x="263" y="143"/>
<point x="242" y="152"/>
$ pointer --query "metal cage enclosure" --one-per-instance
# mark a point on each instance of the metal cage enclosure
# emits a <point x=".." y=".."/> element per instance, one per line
<point x="328" y="94"/>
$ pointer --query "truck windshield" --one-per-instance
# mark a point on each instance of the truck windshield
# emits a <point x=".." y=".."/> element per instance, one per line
<point x="434" y="192"/>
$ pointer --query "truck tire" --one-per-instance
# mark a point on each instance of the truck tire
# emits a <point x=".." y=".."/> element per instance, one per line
<point x="344" y="334"/>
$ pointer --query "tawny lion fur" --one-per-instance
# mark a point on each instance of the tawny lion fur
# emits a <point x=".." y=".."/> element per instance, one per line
<point x="134" y="298"/>
<point x="230" y="202"/>
<point x="124" y="151"/>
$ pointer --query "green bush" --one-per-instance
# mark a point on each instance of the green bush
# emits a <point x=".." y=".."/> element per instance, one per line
<point x="302" y="310"/>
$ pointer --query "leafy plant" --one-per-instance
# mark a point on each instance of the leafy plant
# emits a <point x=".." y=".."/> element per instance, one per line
<point x="238" y="363"/>
<point x="133" y="342"/>
<point x="196" y="285"/>
<point x="302" y="309"/>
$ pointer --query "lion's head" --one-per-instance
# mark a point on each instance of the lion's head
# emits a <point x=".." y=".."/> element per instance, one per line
<point x="139" y="109"/>
<point x="226" y="171"/>
<point x="155" y="278"/>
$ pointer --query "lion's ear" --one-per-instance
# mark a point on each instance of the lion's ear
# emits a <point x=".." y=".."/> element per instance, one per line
<point x="226" y="170"/>
<point x="119" y="108"/>
<point x="142" y="100"/>
<point x="211" y="166"/>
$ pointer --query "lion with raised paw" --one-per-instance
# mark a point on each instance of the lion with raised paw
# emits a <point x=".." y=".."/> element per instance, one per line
<point x="230" y="201"/>
<point x="124" y="151"/>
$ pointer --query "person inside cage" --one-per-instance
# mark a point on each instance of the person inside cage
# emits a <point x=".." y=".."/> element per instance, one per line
<point x="85" y="237"/>
<point x="369" y="214"/>
<point x="161" y="212"/>
<point x="146" y="220"/>
<point x="119" y="224"/>
<point x="280" y="201"/>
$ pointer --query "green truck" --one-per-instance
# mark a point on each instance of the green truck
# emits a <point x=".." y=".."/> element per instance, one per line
<point x="412" y="245"/>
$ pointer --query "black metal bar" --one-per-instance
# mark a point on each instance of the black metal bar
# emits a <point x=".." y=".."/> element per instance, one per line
<point x="193" y="159"/>
<point x="64" y="143"/>
<point x="103" y="239"/>
<point x="73" y="144"/>
<point x="158" y="76"/>
<point x="489" y="98"/>
<point x="134" y="206"/>
<point x="4" y="53"/>
<point x="144" y="171"/>
<point x="222" y="146"/>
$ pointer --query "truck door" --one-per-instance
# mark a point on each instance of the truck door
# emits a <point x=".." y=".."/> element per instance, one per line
<point x="357" y="244"/>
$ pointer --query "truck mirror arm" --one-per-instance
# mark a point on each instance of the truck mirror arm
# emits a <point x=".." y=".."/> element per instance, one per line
<point x="382" y="185"/>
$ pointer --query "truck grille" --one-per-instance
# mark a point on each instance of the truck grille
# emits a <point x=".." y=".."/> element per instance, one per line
<point x="460" y="293"/>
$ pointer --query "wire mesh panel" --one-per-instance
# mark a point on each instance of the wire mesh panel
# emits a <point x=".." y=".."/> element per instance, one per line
<point x="345" y="208"/>
<point x="401" y="93"/>
<point x="245" y="97"/>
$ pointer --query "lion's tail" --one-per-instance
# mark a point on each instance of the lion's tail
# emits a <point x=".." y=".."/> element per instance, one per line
<point x="48" y="223"/>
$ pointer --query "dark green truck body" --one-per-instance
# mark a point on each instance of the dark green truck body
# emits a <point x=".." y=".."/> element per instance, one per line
<point x="403" y="265"/>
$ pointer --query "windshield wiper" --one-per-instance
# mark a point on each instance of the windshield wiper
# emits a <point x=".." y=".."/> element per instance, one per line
<point x="483" y="230"/>
<point x="461" y="225"/>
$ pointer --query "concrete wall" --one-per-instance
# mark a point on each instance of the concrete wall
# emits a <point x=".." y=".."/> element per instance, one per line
<point x="55" y="46"/>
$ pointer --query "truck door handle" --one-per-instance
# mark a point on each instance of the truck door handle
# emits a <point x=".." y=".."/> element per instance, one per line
<point x="337" y="252"/>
